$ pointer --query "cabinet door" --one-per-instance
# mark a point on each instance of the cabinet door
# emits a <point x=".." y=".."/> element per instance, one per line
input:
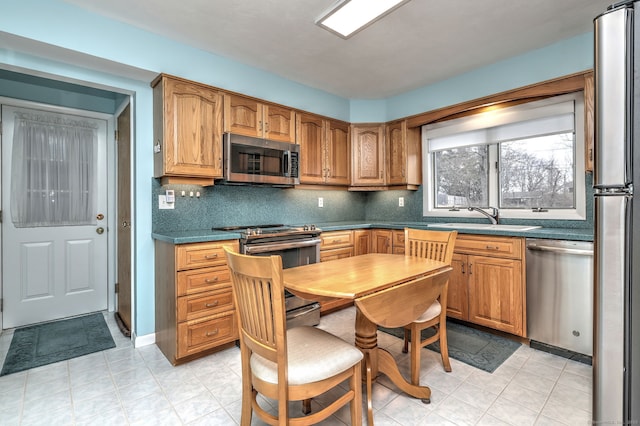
<point x="338" y="153"/>
<point x="310" y="131"/>
<point x="381" y="241"/>
<point x="192" y="122"/>
<point x="495" y="293"/>
<point x="362" y="243"/>
<point x="396" y="153"/>
<point x="457" y="301"/>
<point x="242" y="115"/>
<point x="398" y="241"/>
<point x="280" y="123"/>
<point x="368" y="155"/>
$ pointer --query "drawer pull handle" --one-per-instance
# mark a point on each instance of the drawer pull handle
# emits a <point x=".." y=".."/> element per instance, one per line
<point x="211" y="305"/>
<point x="463" y="268"/>
<point x="211" y="280"/>
<point x="212" y="333"/>
<point x="470" y="269"/>
<point x="211" y="256"/>
<point x="493" y="248"/>
<point x="336" y="241"/>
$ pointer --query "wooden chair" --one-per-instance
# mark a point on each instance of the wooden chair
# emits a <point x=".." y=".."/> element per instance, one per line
<point x="436" y="245"/>
<point x="286" y="365"/>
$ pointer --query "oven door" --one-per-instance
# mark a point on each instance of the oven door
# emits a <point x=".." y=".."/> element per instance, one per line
<point x="293" y="253"/>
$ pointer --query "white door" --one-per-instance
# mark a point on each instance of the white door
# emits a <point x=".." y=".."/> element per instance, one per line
<point x="54" y="205"/>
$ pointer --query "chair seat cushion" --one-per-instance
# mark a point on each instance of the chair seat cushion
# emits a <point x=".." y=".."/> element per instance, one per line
<point x="431" y="312"/>
<point x="313" y="355"/>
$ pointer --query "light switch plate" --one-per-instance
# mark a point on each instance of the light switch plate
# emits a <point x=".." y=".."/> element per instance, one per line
<point x="163" y="204"/>
<point x="400" y="201"/>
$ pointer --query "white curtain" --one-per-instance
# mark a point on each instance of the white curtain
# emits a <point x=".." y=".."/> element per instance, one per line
<point x="53" y="170"/>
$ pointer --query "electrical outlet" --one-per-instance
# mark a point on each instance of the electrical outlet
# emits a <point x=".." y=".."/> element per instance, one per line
<point x="400" y="201"/>
<point x="320" y="202"/>
<point x="163" y="204"/>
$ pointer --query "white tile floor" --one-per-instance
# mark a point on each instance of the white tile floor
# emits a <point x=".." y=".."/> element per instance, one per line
<point x="124" y="385"/>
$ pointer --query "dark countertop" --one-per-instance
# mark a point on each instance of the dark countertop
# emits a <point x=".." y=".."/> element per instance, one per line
<point x="205" y="235"/>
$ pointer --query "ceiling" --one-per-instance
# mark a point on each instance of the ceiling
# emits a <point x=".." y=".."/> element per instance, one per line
<point x="422" y="42"/>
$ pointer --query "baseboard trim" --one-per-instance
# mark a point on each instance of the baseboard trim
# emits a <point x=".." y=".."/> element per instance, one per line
<point x="146" y="340"/>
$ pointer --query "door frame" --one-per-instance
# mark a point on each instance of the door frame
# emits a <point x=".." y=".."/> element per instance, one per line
<point x="111" y="187"/>
<point x="129" y="101"/>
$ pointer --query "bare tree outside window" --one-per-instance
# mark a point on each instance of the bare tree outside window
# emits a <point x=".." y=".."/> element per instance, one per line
<point x="461" y="176"/>
<point x="538" y="172"/>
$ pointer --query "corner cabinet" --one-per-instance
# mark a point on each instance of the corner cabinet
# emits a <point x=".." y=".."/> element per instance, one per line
<point x="486" y="286"/>
<point x="368" y="156"/>
<point x="387" y="241"/>
<point x="247" y="116"/>
<point x="325" y="150"/>
<point x="195" y="313"/>
<point x="187" y="128"/>
<point x="403" y="155"/>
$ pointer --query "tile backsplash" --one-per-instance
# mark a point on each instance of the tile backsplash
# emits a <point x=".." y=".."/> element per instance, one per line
<point x="227" y="205"/>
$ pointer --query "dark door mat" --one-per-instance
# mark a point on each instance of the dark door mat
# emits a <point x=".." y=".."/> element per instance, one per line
<point x="46" y="343"/>
<point x="475" y="347"/>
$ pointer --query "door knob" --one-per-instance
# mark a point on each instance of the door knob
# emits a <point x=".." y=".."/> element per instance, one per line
<point x="100" y="216"/>
<point x="100" y="231"/>
<point x="125" y="224"/>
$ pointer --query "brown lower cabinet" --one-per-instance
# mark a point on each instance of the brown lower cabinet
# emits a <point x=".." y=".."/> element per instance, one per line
<point x="195" y="313"/>
<point x="486" y="286"/>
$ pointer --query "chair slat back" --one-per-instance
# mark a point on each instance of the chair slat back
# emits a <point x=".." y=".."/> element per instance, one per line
<point x="426" y="244"/>
<point x="259" y="295"/>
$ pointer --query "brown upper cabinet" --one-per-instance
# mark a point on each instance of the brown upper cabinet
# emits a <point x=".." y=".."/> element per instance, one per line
<point x="368" y="155"/>
<point x="250" y="117"/>
<point x="187" y="123"/>
<point x="403" y="154"/>
<point x="325" y="150"/>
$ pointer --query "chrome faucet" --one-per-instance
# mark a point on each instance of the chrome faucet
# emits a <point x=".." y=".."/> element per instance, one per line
<point x="493" y="216"/>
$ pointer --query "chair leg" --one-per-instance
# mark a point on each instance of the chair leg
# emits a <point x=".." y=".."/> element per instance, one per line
<point x="356" y="402"/>
<point x="444" y="348"/>
<point x="416" y="345"/>
<point x="405" y="348"/>
<point x="306" y="407"/>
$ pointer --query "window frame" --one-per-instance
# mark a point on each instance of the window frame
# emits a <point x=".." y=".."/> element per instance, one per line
<point x="577" y="213"/>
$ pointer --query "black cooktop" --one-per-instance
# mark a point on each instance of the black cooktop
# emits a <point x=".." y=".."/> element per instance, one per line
<point x="241" y="227"/>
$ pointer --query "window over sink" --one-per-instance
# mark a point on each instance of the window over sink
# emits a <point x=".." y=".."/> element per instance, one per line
<point x="527" y="160"/>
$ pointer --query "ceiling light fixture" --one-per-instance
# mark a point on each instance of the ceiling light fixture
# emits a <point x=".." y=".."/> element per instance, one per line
<point x="347" y="17"/>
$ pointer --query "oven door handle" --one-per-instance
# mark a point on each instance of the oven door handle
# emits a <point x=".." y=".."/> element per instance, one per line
<point x="263" y="248"/>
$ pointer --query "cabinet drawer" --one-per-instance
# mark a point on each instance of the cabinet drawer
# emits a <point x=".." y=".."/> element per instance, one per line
<point x="204" y="304"/>
<point x="334" y="254"/>
<point x="510" y="247"/>
<point x="199" y="255"/>
<point x="196" y="336"/>
<point x="336" y="239"/>
<point x="205" y="279"/>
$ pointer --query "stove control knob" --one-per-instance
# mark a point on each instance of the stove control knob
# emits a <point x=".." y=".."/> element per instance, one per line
<point x="312" y="227"/>
<point x="305" y="227"/>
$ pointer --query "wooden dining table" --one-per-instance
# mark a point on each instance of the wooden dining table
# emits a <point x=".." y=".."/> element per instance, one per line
<point x="387" y="290"/>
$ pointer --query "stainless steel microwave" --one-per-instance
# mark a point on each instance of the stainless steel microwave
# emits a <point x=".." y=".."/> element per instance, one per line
<point x="249" y="160"/>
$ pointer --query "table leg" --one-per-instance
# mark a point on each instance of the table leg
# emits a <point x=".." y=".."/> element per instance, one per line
<point x="381" y="361"/>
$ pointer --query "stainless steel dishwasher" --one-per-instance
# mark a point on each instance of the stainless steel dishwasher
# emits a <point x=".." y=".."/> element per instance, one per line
<point x="560" y="294"/>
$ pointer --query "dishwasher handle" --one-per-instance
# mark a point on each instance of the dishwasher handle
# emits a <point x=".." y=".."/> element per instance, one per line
<point x="562" y="250"/>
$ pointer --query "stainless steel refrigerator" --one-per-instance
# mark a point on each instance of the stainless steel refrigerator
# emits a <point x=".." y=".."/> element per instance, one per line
<point x="616" y="349"/>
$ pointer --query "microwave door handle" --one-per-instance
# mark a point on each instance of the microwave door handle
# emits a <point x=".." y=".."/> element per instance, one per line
<point x="287" y="162"/>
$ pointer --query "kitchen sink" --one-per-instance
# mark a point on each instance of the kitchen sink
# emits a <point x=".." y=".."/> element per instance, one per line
<point x="484" y="226"/>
